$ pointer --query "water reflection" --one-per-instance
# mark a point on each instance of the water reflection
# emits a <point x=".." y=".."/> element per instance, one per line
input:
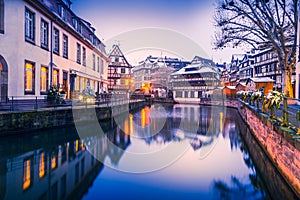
<point x="57" y="164"/>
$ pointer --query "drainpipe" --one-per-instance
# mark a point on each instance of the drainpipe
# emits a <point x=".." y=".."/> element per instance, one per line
<point x="51" y="54"/>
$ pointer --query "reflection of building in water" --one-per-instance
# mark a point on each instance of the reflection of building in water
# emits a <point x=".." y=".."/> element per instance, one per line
<point x="60" y="171"/>
<point x="200" y="125"/>
<point x="50" y="173"/>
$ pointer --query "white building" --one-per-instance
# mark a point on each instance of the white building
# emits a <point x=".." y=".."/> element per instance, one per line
<point x="194" y="81"/>
<point x="44" y="43"/>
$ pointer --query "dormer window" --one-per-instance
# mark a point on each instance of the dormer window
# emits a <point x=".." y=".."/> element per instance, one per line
<point x="62" y="12"/>
<point x="75" y="23"/>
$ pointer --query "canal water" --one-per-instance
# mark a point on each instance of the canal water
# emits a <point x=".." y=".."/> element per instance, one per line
<point x="158" y="152"/>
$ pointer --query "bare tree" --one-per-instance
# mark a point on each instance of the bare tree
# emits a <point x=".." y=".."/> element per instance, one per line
<point x="261" y="24"/>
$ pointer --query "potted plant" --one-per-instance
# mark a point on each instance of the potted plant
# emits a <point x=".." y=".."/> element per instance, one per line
<point x="53" y="95"/>
<point x="63" y="94"/>
<point x="256" y="96"/>
<point x="272" y="101"/>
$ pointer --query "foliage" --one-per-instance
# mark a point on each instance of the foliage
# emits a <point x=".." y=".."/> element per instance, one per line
<point x="274" y="99"/>
<point x="261" y="24"/>
<point x="244" y="95"/>
<point x="53" y="95"/>
<point x="256" y="96"/>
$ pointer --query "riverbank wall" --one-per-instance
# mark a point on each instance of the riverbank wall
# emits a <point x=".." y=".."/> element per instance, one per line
<point x="280" y="144"/>
<point x="26" y="121"/>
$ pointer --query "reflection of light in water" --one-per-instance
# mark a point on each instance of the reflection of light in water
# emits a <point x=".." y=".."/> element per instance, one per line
<point x="26" y="175"/>
<point x="76" y="146"/>
<point x="42" y="165"/>
<point x="221" y="121"/>
<point x="126" y="127"/>
<point x="131" y="124"/>
<point x="145" y="116"/>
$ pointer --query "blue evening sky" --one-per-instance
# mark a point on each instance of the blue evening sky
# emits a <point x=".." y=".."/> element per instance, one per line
<point x="192" y="18"/>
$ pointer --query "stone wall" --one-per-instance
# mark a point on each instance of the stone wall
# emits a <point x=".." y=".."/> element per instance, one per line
<point x="24" y="121"/>
<point x="277" y="142"/>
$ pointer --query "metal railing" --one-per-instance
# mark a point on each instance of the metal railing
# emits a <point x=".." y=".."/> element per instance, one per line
<point x="33" y="103"/>
<point x="288" y="113"/>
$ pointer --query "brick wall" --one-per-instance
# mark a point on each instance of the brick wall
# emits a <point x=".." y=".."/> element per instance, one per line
<point x="279" y="144"/>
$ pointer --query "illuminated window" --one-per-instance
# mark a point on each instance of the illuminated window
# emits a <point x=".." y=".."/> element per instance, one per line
<point x="82" y="83"/>
<point x="44" y="79"/>
<point x="44" y="33"/>
<point x="56" y="40"/>
<point x="42" y="165"/>
<point x="29" y="25"/>
<point x="77" y="83"/>
<point x="55" y="77"/>
<point x="29" y="78"/>
<point x="26" y="174"/>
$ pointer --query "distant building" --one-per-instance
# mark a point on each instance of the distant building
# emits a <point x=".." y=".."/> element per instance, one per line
<point x="264" y="84"/>
<point x="234" y="68"/>
<point x="246" y="68"/>
<point x="266" y="65"/>
<point x="45" y="43"/>
<point x="153" y="73"/>
<point x="194" y="81"/>
<point x="119" y="71"/>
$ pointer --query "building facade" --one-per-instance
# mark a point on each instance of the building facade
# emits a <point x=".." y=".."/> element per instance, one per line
<point x="195" y="81"/>
<point x="46" y="44"/>
<point x="153" y="73"/>
<point x="119" y="71"/>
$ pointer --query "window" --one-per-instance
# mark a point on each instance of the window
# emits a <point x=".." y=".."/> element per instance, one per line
<point x="75" y="24"/>
<point x="62" y="12"/>
<point x="101" y="66"/>
<point x="79" y="27"/>
<point x="29" y="77"/>
<point x="29" y="25"/>
<point x="55" y="77"/>
<point x="98" y="64"/>
<point x="83" y="56"/>
<point x="94" y="62"/>
<point x="115" y="82"/>
<point x="44" y="34"/>
<point x="65" y="46"/>
<point x="78" y="53"/>
<point x="1" y="16"/>
<point x="56" y="40"/>
<point x="44" y="80"/>
<point x="123" y="70"/>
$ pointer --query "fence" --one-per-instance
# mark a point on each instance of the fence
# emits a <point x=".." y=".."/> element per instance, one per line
<point x="24" y="103"/>
<point x="288" y="113"/>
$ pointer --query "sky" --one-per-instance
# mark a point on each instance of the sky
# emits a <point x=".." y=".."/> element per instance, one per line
<point x="190" y="21"/>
